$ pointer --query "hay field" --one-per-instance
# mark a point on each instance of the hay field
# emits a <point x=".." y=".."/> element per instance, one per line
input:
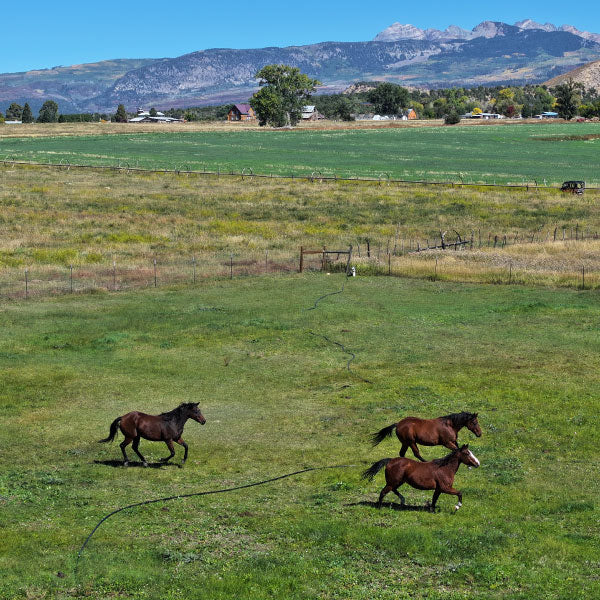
<point x="546" y="153"/>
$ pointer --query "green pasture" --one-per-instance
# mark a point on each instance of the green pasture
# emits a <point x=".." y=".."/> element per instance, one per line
<point x="496" y="153"/>
<point x="278" y="399"/>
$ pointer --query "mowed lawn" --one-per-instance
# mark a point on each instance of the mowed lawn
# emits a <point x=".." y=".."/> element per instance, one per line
<point x="520" y="153"/>
<point x="278" y="399"/>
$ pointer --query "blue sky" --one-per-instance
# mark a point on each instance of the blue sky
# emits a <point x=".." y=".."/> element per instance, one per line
<point x="76" y="32"/>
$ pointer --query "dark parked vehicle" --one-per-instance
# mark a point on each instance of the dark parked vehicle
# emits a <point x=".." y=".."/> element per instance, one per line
<point x="575" y="187"/>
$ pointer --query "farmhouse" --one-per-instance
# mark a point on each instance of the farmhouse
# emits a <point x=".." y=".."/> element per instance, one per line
<point x="143" y="116"/>
<point x="241" y="112"/>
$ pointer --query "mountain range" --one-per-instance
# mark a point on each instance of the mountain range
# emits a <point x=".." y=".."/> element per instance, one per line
<point x="492" y="53"/>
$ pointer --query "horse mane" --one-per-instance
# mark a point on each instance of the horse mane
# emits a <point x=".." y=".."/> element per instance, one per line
<point x="459" y="419"/>
<point x="440" y="462"/>
<point x="175" y="414"/>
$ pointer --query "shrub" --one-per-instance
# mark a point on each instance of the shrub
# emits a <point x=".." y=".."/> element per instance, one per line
<point x="452" y="118"/>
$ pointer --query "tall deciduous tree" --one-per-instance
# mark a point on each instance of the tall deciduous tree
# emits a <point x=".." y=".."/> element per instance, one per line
<point x="48" y="112"/>
<point x="120" y="115"/>
<point x="568" y="98"/>
<point x="284" y="90"/>
<point x="27" y="116"/>
<point x="14" y="112"/>
<point x="389" y="98"/>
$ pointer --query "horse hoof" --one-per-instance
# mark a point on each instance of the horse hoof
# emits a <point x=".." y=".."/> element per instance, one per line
<point x="144" y="464"/>
<point x="126" y="464"/>
<point x="457" y="506"/>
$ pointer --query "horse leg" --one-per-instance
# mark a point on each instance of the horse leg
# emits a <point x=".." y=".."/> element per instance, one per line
<point x="182" y="443"/>
<point x="169" y="444"/>
<point x="402" y="500"/>
<point x="384" y="491"/>
<point x="436" y="495"/>
<point x="123" y="445"/>
<point x="416" y="452"/>
<point x="135" y="446"/>
<point x="455" y="493"/>
<point x="404" y="448"/>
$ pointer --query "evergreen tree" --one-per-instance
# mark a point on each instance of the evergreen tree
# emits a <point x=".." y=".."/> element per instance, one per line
<point x="27" y="115"/>
<point x="48" y="112"/>
<point x="120" y="115"/>
<point x="14" y="112"/>
<point x="568" y="99"/>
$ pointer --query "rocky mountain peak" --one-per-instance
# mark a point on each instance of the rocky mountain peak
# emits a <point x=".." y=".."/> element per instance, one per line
<point x="486" y="29"/>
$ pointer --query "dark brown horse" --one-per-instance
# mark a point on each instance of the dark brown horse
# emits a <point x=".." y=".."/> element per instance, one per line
<point x="442" y="431"/>
<point x="435" y="475"/>
<point x="165" y="427"/>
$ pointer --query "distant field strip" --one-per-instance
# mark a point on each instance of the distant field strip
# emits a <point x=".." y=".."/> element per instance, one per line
<point x="513" y="154"/>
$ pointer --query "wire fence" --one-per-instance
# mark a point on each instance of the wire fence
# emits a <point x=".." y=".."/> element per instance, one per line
<point x="572" y="262"/>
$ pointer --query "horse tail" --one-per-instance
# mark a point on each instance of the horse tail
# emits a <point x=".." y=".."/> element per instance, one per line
<point x="378" y="437"/>
<point x="113" y="431"/>
<point x="375" y="468"/>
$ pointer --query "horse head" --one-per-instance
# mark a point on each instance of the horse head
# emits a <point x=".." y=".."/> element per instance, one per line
<point x="467" y="457"/>
<point x="473" y="425"/>
<point x="194" y="413"/>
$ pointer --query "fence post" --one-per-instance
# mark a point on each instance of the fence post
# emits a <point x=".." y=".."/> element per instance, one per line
<point x="71" y="277"/>
<point x="389" y="264"/>
<point x="194" y="268"/>
<point x="349" y="259"/>
<point x="115" y="275"/>
<point x="583" y="277"/>
<point x="509" y="272"/>
<point x="26" y="284"/>
<point x="231" y="266"/>
<point x="154" y="272"/>
<point x="301" y="258"/>
<point x="266" y="261"/>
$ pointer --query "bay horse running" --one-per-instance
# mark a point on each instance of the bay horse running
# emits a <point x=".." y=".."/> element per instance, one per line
<point x="166" y="427"/>
<point x="435" y="475"/>
<point x="442" y="431"/>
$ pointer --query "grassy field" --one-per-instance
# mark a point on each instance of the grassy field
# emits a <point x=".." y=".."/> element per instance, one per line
<point x="52" y="219"/>
<point x="548" y="153"/>
<point x="278" y="399"/>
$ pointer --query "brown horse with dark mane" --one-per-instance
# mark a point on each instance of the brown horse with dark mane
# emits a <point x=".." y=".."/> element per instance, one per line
<point x="442" y="431"/>
<point x="166" y="427"/>
<point x="435" y="475"/>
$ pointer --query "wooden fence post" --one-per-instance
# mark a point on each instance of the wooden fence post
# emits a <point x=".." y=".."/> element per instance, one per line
<point x="349" y="259"/>
<point x="301" y="258"/>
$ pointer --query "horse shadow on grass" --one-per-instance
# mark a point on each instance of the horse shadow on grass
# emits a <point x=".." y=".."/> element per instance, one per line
<point x="393" y="506"/>
<point x="119" y="463"/>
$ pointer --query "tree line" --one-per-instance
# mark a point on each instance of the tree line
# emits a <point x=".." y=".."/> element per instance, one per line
<point x="284" y="90"/>
<point x="48" y="113"/>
